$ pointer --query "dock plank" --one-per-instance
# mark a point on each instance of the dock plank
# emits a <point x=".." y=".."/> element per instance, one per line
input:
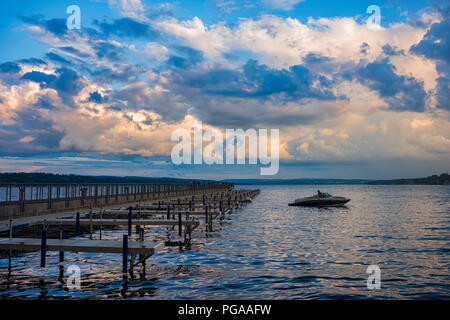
<point x="76" y="245"/>
<point x="162" y="212"/>
<point x="115" y="222"/>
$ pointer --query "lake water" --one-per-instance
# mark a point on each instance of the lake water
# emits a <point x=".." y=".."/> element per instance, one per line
<point x="267" y="250"/>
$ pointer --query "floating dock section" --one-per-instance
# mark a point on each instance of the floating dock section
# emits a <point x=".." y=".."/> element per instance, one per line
<point x="179" y="208"/>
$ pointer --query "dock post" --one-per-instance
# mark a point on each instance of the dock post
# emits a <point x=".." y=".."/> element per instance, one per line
<point x="101" y="217"/>
<point x="129" y="220"/>
<point x="190" y="205"/>
<point x="125" y="255"/>
<point x="206" y="214"/>
<point x="61" y="257"/>
<point x="141" y="257"/>
<point x="141" y="234"/>
<point x="61" y="236"/>
<point x="90" y="224"/>
<point x="179" y="224"/>
<point x="77" y="225"/>
<point x="9" y="262"/>
<point x="168" y="212"/>
<point x="210" y="220"/>
<point x="10" y="251"/>
<point x="43" y="246"/>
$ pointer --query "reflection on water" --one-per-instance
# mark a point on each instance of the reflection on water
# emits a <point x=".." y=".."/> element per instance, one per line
<point x="268" y="250"/>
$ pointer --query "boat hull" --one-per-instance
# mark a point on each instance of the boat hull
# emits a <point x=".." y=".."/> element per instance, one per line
<point x="320" y="202"/>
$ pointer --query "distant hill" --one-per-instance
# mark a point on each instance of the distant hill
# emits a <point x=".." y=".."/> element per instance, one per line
<point x="431" y="180"/>
<point x="22" y="177"/>
<point x="296" y="181"/>
<point x="442" y="179"/>
<point x="37" y="177"/>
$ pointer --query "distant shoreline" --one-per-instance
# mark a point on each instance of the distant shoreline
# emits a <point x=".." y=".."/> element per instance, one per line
<point x="442" y="179"/>
<point x="21" y="177"/>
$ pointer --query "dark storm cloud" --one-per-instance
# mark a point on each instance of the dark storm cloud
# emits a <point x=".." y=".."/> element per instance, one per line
<point x="314" y="58"/>
<point x="66" y="82"/>
<point x="392" y="51"/>
<point x="108" y="50"/>
<point x="179" y="62"/>
<point x="139" y="96"/>
<point x="435" y="45"/>
<point x="123" y="73"/>
<point x="33" y="61"/>
<point x="257" y="81"/>
<point x="73" y="51"/>
<point x="56" y="58"/>
<point x="44" y="102"/>
<point x="127" y="28"/>
<point x="186" y="58"/>
<point x="436" y="42"/>
<point x="40" y="77"/>
<point x="96" y="97"/>
<point x="254" y="94"/>
<point x="56" y="26"/>
<point x="400" y="92"/>
<point x="29" y="122"/>
<point x="364" y="49"/>
<point x="194" y="55"/>
<point x="7" y="67"/>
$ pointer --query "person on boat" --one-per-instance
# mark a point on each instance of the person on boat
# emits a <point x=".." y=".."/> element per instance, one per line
<point x="319" y="194"/>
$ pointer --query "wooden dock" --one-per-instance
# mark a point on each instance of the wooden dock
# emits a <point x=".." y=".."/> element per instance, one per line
<point x="185" y="209"/>
<point x="75" y="245"/>
<point x="160" y="212"/>
<point x="119" y="222"/>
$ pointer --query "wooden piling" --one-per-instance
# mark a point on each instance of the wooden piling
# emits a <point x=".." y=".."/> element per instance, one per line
<point x="43" y="246"/>
<point x="180" y="225"/>
<point x="125" y="255"/>
<point x="77" y="226"/>
<point x="130" y="214"/>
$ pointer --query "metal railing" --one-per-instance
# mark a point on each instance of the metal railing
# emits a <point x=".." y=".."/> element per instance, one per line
<point x="38" y="192"/>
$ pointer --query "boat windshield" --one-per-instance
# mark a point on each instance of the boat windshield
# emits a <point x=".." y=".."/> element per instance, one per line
<point x="324" y="195"/>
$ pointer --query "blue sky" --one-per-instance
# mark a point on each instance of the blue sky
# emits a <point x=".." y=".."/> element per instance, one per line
<point x="208" y="11"/>
<point x="350" y="101"/>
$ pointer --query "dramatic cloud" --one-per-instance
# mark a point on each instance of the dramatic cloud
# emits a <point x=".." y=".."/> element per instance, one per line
<point x="126" y="28"/>
<point x="337" y="90"/>
<point x="435" y="45"/>
<point x="401" y="93"/>
<point x="9" y="67"/>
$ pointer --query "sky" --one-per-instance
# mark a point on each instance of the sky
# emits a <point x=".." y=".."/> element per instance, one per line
<point x="350" y="99"/>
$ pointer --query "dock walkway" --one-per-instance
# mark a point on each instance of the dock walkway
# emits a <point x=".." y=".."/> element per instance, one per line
<point x="76" y="245"/>
<point x="185" y="209"/>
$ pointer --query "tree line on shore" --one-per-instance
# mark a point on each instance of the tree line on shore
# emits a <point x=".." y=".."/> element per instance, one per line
<point x="39" y="177"/>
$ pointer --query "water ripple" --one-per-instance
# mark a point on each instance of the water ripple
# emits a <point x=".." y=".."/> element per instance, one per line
<point x="268" y="250"/>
